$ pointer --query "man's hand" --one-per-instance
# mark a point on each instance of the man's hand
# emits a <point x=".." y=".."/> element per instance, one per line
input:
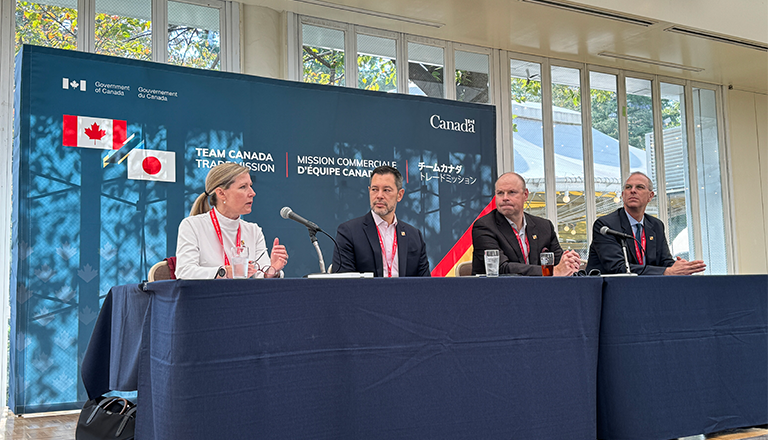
<point x="569" y="264"/>
<point x="684" y="267"/>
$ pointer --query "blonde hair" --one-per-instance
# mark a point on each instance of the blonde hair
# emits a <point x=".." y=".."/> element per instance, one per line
<point x="220" y="176"/>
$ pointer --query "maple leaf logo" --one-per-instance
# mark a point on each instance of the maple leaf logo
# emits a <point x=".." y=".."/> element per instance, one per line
<point x="87" y="273"/>
<point x="87" y="315"/>
<point x="95" y="132"/>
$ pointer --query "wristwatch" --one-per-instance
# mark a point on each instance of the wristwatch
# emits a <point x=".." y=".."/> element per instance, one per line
<point x="221" y="273"/>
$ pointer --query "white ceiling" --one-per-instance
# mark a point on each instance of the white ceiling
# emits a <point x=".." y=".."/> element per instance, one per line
<point x="547" y="31"/>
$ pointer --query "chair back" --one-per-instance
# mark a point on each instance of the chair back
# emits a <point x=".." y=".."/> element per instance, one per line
<point x="160" y="271"/>
<point x="464" y="269"/>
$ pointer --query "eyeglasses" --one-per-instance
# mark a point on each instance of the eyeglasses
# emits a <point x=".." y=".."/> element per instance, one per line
<point x="264" y="270"/>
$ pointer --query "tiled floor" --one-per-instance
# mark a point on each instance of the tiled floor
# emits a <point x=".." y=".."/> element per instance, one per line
<point x="61" y="426"/>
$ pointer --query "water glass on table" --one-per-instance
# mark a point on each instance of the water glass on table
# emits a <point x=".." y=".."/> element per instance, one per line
<point x="547" y="264"/>
<point x="240" y="262"/>
<point x="492" y="262"/>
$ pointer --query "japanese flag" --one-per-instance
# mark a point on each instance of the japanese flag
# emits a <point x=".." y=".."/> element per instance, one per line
<point x="87" y="132"/>
<point x="152" y="165"/>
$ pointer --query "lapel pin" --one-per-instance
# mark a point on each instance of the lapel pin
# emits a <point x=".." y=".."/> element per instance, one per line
<point x="535" y="237"/>
<point x="650" y="238"/>
<point x="403" y="234"/>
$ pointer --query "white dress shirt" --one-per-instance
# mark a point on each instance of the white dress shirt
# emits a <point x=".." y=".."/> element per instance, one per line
<point x="387" y="233"/>
<point x="521" y="236"/>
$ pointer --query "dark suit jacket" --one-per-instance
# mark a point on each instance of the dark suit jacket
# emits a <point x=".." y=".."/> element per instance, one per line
<point x="358" y="249"/>
<point x="606" y="255"/>
<point x="493" y="231"/>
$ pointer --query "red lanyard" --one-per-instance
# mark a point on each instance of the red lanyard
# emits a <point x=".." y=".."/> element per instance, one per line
<point x="217" y="228"/>
<point x="389" y="261"/>
<point x="642" y="243"/>
<point x="525" y="250"/>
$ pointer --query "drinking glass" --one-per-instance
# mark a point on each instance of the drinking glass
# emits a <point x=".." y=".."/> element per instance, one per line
<point x="239" y="262"/>
<point x="492" y="262"/>
<point x="547" y="264"/>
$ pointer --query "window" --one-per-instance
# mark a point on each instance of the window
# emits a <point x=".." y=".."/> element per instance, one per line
<point x="426" y="70"/>
<point x="676" y="171"/>
<point x="706" y="137"/>
<point x="376" y="68"/>
<point x="51" y="23"/>
<point x="527" y="132"/>
<point x="194" y="36"/>
<point x="569" y="158"/>
<point x="472" y="77"/>
<point x="640" y="132"/>
<point x="123" y="29"/>
<point x="323" y="55"/>
<point x="605" y="142"/>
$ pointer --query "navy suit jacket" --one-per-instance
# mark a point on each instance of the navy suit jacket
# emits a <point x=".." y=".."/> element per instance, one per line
<point x="493" y="231"/>
<point x="606" y="255"/>
<point x="358" y="249"/>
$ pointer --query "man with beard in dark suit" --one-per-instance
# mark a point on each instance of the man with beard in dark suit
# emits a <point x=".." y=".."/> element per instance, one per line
<point x="520" y="237"/>
<point x="648" y="253"/>
<point x="378" y="242"/>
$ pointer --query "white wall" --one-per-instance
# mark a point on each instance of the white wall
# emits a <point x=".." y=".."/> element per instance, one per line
<point x="747" y="115"/>
<point x="263" y="45"/>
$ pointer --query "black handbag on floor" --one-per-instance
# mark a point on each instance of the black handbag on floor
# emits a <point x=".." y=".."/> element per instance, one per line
<point x="102" y="418"/>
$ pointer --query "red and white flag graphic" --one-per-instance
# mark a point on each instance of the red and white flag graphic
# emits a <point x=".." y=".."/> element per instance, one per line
<point x="152" y="165"/>
<point x="87" y="132"/>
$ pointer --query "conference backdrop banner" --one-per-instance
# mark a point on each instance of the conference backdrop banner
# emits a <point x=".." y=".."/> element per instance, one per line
<point x="110" y="153"/>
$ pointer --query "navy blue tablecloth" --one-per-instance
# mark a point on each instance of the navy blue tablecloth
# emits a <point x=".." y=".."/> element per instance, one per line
<point x="682" y="355"/>
<point x="378" y="358"/>
<point x="111" y="362"/>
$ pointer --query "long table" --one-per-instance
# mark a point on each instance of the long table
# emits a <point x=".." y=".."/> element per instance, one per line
<point x="440" y="358"/>
<point x="682" y="355"/>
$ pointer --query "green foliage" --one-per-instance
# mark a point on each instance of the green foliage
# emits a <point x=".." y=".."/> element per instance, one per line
<point x="323" y="66"/>
<point x="472" y="86"/>
<point x="376" y="73"/>
<point x="45" y="25"/>
<point x="193" y="47"/>
<point x="123" y="37"/>
<point x="604" y="108"/>
<point x="54" y="26"/>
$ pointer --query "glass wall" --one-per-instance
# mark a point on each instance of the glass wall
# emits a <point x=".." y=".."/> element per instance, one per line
<point x="676" y="171"/>
<point x="528" y="131"/>
<point x="194" y="37"/>
<point x="51" y="23"/>
<point x="376" y="68"/>
<point x="640" y="133"/>
<point x="123" y="29"/>
<point x="426" y="70"/>
<point x="569" y="159"/>
<point x="323" y="55"/>
<point x="622" y="127"/>
<point x="472" y="77"/>
<point x="707" y="142"/>
<point x="605" y="142"/>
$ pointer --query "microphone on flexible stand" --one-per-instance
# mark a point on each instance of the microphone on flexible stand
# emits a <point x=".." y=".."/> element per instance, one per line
<point x="287" y="213"/>
<point x="605" y="230"/>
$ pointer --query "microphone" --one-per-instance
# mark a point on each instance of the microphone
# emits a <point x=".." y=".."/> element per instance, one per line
<point x="605" y="230"/>
<point x="287" y="213"/>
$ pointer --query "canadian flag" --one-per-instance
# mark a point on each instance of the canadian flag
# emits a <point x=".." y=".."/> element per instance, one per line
<point x="152" y="165"/>
<point x="87" y="132"/>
